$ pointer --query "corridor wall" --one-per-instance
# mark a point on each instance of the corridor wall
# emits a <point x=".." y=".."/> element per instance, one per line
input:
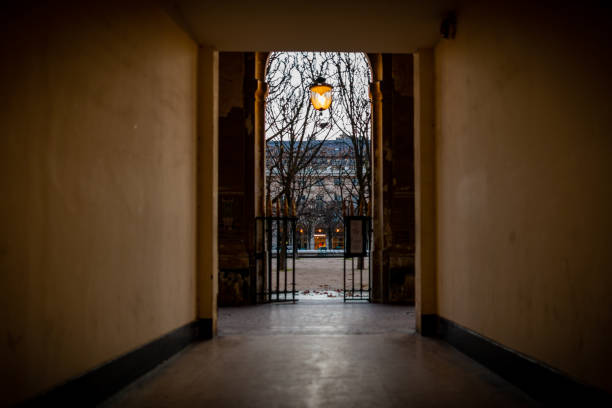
<point x="523" y="171"/>
<point x="98" y="190"/>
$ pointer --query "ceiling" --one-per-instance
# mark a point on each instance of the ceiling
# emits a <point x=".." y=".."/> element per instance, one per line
<point x="342" y="25"/>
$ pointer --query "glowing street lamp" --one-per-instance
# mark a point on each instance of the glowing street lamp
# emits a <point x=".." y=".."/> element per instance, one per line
<point x="320" y="94"/>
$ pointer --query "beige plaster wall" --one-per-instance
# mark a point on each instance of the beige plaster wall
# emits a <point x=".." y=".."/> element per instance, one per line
<point x="523" y="147"/>
<point x="97" y="187"/>
<point x="396" y="26"/>
<point x="424" y="187"/>
<point x="207" y="189"/>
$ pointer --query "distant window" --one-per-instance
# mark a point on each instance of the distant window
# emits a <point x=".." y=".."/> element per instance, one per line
<point x="337" y="181"/>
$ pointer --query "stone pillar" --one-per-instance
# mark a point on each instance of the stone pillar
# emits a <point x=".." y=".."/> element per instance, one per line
<point x="207" y="139"/>
<point x="398" y="179"/>
<point x="392" y="179"/>
<point x="237" y="276"/>
<point x="377" y="191"/>
<point x="425" y="192"/>
<point x="259" y="181"/>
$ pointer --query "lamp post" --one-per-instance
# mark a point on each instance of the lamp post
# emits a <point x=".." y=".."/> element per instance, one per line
<point x="320" y="94"/>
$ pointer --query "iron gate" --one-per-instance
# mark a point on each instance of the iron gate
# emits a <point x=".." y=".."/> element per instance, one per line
<point x="276" y="248"/>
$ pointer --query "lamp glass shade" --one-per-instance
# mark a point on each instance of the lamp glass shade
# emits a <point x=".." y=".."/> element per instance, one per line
<point x="320" y="96"/>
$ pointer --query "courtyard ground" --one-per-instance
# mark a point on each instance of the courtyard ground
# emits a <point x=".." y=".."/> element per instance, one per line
<point x="323" y="277"/>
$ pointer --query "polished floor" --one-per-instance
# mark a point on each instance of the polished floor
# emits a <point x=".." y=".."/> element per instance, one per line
<point x="320" y="354"/>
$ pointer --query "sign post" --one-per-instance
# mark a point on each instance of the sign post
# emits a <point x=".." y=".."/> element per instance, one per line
<point x="357" y="245"/>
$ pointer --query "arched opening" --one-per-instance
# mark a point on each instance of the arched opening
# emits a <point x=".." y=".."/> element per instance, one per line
<point x="245" y="198"/>
<point x="318" y="164"/>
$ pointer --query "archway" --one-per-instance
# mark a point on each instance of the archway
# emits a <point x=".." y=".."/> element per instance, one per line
<point x="395" y="267"/>
<point x="317" y="163"/>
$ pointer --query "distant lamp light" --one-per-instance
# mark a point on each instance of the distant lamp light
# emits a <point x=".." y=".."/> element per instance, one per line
<point x="320" y="94"/>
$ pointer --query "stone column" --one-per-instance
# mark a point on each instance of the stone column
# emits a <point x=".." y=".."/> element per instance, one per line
<point x="398" y="179"/>
<point x="259" y="181"/>
<point x="260" y="136"/>
<point x="425" y="192"/>
<point x="207" y="189"/>
<point x="236" y="235"/>
<point x="377" y="180"/>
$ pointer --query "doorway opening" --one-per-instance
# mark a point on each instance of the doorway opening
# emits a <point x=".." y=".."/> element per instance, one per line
<point x="318" y="168"/>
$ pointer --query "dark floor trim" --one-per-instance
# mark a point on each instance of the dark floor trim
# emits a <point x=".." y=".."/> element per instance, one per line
<point x="100" y="383"/>
<point x="540" y="381"/>
<point x="429" y="325"/>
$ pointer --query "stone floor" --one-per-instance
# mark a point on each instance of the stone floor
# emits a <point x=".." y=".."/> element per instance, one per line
<point x="320" y="354"/>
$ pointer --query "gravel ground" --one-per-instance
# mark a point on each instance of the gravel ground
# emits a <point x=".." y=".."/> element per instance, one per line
<point x="322" y="274"/>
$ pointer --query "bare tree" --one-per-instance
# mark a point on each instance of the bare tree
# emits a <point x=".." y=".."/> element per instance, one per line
<point x="295" y="131"/>
<point x="352" y="117"/>
<point x="298" y="163"/>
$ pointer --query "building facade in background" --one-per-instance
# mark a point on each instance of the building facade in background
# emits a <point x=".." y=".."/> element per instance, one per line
<point x="323" y="189"/>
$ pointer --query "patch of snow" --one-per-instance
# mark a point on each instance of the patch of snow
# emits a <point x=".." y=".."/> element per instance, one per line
<point x="320" y="294"/>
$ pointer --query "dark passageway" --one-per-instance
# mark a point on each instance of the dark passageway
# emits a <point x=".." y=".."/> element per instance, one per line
<point x="132" y="174"/>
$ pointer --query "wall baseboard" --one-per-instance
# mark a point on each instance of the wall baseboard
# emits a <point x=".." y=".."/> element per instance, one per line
<point x="102" y="382"/>
<point x="540" y="381"/>
<point x="429" y="325"/>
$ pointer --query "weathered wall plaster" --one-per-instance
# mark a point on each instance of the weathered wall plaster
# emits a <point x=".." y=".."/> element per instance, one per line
<point x="237" y="279"/>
